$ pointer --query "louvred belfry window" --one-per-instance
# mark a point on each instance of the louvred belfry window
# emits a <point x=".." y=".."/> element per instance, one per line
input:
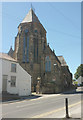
<point x="26" y="46"/>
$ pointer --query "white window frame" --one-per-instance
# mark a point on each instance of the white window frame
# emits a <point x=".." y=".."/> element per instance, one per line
<point x="13" y="67"/>
<point x="13" y="81"/>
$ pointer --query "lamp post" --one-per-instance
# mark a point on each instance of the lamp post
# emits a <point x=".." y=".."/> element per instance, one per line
<point x="55" y="64"/>
<point x="54" y="76"/>
<point x="54" y="68"/>
<point x="38" y="85"/>
<point x="38" y="78"/>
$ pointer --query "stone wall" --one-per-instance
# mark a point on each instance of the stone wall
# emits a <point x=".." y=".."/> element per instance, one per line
<point x="36" y="67"/>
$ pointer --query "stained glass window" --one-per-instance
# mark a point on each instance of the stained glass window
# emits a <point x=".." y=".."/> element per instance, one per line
<point x="26" y="31"/>
<point x="26" y="46"/>
<point x="47" y="64"/>
<point x="24" y="50"/>
<point x="35" y="50"/>
<point x="35" y="31"/>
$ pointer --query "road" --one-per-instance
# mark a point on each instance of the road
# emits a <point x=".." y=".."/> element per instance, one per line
<point x="47" y="106"/>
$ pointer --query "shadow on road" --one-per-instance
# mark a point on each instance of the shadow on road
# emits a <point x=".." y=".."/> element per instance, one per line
<point x="75" y="92"/>
<point x="13" y="98"/>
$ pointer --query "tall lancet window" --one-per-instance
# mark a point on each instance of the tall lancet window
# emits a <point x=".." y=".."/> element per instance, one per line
<point x="36" y="47"/>
<point x="36" y="50"/>
<point x="47" y="64"/>
<point x="26" y="46"/>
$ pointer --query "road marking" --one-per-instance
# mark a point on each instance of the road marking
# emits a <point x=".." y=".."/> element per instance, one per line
<point x="39" y="116"/>
<point x="54" y="111"/>
<point x="35" y="104"/>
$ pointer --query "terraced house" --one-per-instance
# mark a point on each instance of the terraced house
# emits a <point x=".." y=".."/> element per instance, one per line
<point x="50" y="73"/>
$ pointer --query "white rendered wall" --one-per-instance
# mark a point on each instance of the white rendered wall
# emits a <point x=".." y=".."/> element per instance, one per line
<point x="80" y="80"/>
<point x="23" y="79"/>
<point x="24" y="82"/>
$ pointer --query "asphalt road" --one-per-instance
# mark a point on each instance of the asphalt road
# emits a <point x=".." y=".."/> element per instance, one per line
<point x="48" y="106"/>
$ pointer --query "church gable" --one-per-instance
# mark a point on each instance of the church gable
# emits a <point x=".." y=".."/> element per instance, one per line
<point x="52" y="54"/>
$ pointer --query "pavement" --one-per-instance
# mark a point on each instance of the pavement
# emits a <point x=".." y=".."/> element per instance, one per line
<point x="9" y="98"/>
<point x="15" y="98"/>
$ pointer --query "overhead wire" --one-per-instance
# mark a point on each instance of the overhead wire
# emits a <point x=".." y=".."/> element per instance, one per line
<point x="13" y="17"/>
<point x="65" y="16"/>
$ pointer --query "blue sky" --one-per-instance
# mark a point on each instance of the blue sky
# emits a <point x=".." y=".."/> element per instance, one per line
<point x="62" y="21"/>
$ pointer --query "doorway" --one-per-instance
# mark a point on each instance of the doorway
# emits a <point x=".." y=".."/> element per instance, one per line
<point x="4" y="83"/>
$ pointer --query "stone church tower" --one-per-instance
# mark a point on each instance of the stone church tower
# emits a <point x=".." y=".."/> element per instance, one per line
<point x="33" y="53"/>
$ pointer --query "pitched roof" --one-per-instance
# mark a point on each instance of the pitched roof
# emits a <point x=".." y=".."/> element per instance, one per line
<point x="62" y="60"/>
<point x="30" y="17"/>
<point x="6" y="57"/>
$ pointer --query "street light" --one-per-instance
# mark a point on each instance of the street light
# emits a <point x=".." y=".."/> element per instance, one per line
<point x="55" y="64"/>
<point x="38" y="85"/>
<point x="38" y="78"/>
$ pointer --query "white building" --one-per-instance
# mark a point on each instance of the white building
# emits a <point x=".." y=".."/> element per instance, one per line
<point x="14" y="79"/>
<point x="80" y="80"/>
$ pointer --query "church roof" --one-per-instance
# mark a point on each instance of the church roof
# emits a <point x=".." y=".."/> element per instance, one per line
<point x="30" y="17"/>
<point x="62" y="60"/>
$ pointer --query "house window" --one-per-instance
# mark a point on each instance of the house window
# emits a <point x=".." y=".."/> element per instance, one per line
<point x="47" y="64"/>
<point x="13" y="67"/>
<point x="13" y="81"/>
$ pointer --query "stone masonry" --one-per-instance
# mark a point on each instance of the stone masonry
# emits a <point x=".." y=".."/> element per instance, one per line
<point x="50" y="73"/>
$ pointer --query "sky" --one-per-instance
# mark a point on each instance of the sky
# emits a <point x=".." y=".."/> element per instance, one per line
<point x="62" y="21"/>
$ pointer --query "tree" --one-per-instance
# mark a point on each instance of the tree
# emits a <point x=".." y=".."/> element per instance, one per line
<point x="79" y="72"/>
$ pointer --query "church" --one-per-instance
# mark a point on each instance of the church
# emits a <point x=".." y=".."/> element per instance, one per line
<point x="50" y="73"/>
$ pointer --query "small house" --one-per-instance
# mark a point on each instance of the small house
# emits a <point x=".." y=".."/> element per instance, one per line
<point x="14" y="79"/>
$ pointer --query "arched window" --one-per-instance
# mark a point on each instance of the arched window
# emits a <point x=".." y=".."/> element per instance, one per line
<point x="35" y="31"/>
<point x="36" y="50"/>
<point x="26" y="31"/>
<point x="47" y="64"/>
<point x="26" y="46"/>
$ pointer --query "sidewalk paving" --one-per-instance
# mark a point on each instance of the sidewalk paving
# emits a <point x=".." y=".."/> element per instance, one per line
<point x="13" y="98"/>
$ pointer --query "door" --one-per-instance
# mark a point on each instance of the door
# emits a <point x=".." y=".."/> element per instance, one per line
<point x="4" y="83"/>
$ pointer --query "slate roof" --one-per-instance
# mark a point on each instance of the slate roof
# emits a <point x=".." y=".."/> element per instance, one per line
<point x="62" y="60"/>
<point x="30" y="17"/>
<point x="6" y="57"/>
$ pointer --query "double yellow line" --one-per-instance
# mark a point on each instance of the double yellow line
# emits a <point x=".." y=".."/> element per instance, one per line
<point x="54" y="111"/>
